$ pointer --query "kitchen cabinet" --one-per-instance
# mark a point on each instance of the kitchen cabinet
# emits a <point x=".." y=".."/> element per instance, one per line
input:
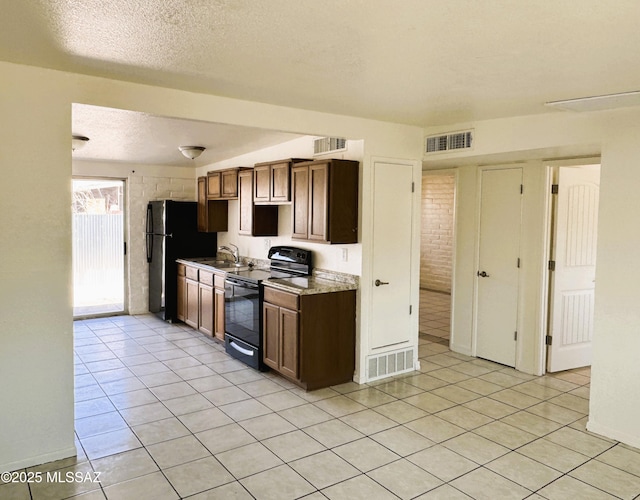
<point x="181" y="293"/>
<point x="272" y="181"/>
<point x="310" y="339"/>
<point x="213" y="215"/>
<point x="191" y="299"/>
<point x="254" y="220"/>
<point x="222" y="184"/>
<point x="205" y="302"/>
<point x="325" y="201"/>
<point x="218" y="306"/>
<point x="201" y="299"/>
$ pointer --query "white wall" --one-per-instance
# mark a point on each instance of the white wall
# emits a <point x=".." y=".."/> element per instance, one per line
<point x="144" y="183"/>
<point x="615" y="373"/>
<point x="36" y="423"/>
<point x="325" y="256"/>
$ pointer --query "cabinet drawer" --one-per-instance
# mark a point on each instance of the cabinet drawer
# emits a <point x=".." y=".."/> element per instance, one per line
<point x="191" y="273"/>
<point x="280" y="298"/>
<point x="206" y="277"/>
<point x="219" y="281"/>
<point x="181" y="269"/>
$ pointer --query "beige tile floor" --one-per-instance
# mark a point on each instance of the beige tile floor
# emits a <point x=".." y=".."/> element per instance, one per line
<point x="163" y="413"/>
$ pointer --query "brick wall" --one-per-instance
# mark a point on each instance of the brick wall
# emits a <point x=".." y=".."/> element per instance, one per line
<point x="436" y="240"/>
<point x="142" y="189"/>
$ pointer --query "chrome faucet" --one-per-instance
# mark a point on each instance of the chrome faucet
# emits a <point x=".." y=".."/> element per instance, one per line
<point x="234" y="251"/>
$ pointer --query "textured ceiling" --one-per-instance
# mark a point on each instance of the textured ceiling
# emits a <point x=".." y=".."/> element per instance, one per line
<point x="421" y="62"/>
<point x="127" y="136"/>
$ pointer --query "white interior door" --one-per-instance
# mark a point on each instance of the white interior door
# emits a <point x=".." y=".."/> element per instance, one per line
<point x="392" y="215"/>
<point x="498" y="272"/>
<point x="573" y="281"/>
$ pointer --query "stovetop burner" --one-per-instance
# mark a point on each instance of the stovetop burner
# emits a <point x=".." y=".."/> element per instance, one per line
<point x="285" y="262"/>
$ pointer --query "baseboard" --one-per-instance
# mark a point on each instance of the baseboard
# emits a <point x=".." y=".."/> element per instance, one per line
<point x="40" y="459"/>
<point x="608" y="432"/>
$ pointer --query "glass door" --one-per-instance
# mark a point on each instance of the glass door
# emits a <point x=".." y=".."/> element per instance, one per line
<point x="98" y="247"/>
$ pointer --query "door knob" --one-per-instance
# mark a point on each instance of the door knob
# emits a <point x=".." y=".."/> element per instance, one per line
<point x="483" y="274"/>
<point x="378" y="282"/>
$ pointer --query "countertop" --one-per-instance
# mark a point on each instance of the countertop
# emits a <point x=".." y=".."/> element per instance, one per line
<point x="321" y="281"/>
<point x="307" y="285"/>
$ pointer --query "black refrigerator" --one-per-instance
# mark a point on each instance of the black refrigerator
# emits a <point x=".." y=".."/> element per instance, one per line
<point x="172" y="233"/>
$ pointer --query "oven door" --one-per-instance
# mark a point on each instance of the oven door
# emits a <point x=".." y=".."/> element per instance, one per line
<point x="242" y="303"/>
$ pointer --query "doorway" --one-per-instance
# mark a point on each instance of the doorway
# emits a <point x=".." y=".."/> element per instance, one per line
<point x="572" y="266"/>
<point x="98" y="247"/>
<point x="436" y="254"/>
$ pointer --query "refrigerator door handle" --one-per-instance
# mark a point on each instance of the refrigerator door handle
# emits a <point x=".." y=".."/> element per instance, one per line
<point x="149" y="237"/>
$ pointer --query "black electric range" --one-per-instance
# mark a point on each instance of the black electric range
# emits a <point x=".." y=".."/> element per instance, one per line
<point x="243" y="297"/>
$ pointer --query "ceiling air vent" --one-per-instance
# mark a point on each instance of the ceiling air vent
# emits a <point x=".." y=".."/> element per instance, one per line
<point x="329" y="145"/>
<point x="449" y="142"/>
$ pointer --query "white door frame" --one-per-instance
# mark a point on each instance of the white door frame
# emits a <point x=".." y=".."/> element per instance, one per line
<point x="544" y="265"/>
<point x="455" y="172"/>
<point x="474" y="335"/>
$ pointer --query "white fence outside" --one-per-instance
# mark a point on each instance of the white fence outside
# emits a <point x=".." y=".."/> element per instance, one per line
<point x="98" y="263"/>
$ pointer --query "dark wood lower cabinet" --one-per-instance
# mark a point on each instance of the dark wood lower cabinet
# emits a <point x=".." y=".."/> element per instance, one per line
<point x="201" y="299"/>
<point x="206" y="309"/>
<point x="310" y="339"/>
<point x="192" y="303"/>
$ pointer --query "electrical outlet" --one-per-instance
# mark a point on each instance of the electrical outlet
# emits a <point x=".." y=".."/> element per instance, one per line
<point x="267" y="243"/>
<point x="345" y="254"/>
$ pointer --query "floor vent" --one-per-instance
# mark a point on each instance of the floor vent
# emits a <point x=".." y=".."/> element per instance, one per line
<point x="449" y="142"/>
<point x="390" y="363"/>
<point x="329" y="145"/>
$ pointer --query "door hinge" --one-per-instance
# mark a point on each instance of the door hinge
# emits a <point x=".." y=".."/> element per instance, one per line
<point x="413" y="187"/>
<point x="518" y="262"/>
<point x="125" y="248"/>
<point x="521" y="188"/>
<point x="548" y="340"/>
<point x="410" y="309"/>
<point x="515" y="335"/>
<point x="552" y="265"/>
<point x="554" y="188"/>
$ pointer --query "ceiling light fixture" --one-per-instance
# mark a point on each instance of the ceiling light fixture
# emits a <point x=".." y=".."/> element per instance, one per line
<point x="78" y="142"/>
<point x="599" y="102"/>
<point x="191" y="152"/>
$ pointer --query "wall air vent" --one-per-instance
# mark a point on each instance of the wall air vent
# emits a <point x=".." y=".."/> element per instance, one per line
<point x="390" y="363"/>
<point x="326" y="145"/>
<point x="449" y="142"/>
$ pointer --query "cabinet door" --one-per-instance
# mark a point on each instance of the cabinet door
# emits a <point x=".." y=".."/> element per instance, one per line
<point x="318" y="201"/>
<point x="205" y="309"/>
<point x="229" y="182"/>
<point x="202" y="204"/>
<point x="182" y="296"/>
<point x="289" y="359"/>
<point x="191" y="316"/>
<point x="280" y="182"/>
<point x="300" y="199"/>
<point x="219" y="314"/>
<point x="261" y="184"/>
<point x="245" y="198"/>
<point x="271" y="334"/>
<point x="213" y="185"/>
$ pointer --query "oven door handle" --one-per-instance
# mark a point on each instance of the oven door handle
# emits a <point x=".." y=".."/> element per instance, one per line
<point x="243" y="284"/>
<point x="244" y="351"/>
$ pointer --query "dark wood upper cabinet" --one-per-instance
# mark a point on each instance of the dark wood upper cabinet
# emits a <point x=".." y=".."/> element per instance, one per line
<point x="272" y="181"/>
<point x="213" y="214"/>
<point x="222" y="184"/>
<point x="325" y="201"/>
<point x="254" y="220"/>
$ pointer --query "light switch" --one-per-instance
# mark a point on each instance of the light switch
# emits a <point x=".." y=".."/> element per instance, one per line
<point x="345" y="254"/>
